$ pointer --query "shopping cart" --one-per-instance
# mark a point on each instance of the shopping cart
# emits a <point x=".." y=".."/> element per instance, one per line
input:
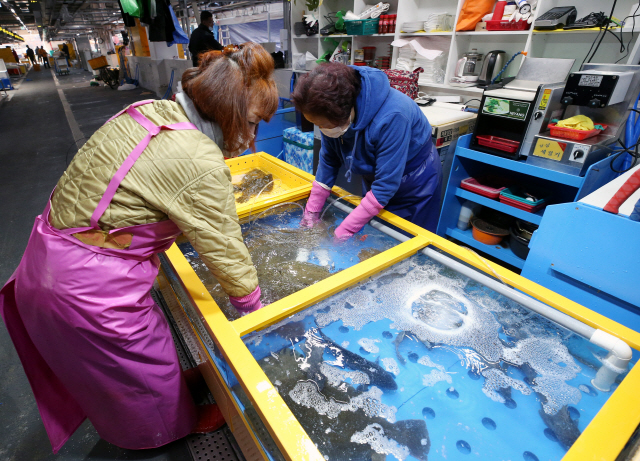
<point x="62" y="67"/>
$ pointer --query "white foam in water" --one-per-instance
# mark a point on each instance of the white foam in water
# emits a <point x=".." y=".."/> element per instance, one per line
<point x="411" y="296"/>
<point x="373" y="435"/>
<point x="336" y="376"/>
<point x="323" y="257"/>
<point x="469" y="358"/>
<point x="495" y="380"/>
<point x="369" y="345"/>
<point x="345" y="344"/>
<point x="391" y="365"/>
<point x="557" y="392"/>
<point x="584" y="389"/>
<point x="427" y="362"/>
<point x="554" y="365"/>
<point x="435" y="377"/>
<point x="429" y="301"/>
<point x="306" y="393"/>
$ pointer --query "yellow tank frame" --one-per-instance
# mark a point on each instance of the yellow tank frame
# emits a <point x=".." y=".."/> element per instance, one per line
<point x="602" y="440"/>
<point x="289" y="184"/>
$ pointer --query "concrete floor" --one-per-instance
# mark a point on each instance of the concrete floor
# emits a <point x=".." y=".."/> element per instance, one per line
<point x="35" y="137"/>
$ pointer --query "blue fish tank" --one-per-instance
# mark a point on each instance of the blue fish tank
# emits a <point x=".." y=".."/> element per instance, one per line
<point x="421" y="362"/>
<point x="418" y="362"/>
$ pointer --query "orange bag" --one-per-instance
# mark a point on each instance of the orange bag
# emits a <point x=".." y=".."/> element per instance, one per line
<point x="472" y="12"/>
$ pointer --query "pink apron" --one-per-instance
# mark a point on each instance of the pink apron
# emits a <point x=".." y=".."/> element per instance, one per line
<point x="91" y="339"/>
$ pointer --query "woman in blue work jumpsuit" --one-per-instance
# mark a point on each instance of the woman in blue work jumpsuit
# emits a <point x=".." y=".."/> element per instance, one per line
<point x="376" y="132"/>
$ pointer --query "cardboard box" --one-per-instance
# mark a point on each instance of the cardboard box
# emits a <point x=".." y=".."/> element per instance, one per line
<point x="444" y="134"/>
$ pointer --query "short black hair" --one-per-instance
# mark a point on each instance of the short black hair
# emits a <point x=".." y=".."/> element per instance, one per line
<point x="205" y="15"/>
<point x="330" y="90"/>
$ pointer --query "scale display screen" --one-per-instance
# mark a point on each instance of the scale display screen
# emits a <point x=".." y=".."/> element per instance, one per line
<point x="590" y="80"/>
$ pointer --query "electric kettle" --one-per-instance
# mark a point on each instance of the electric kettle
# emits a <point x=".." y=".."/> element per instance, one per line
<point x="492" y="65"/>
<point x="466" y="73"/>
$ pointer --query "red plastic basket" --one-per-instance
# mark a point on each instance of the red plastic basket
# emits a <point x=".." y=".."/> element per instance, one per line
<point x="496" y="142"/>
<point x="575" y="135"/>
<point x="507" y="25"/>
<point x="482" y="186"/>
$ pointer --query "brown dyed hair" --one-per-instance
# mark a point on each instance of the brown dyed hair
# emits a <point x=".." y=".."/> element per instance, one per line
<point x="225" y="85"/>
<point x="330" y="90"/>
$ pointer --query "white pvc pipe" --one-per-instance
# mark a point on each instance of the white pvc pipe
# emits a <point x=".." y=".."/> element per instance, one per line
<point x="620" y="353"/>
<point x="531" y="303"/>
<point x="615" y="363"/>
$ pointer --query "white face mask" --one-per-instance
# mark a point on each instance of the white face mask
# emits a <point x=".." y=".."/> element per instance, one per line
<point x="337" y="131"/>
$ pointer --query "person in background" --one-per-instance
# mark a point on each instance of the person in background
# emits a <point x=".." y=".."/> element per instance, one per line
<point x="202" y="39"/>
<point x="65" y="53"/>
<point x="45" y="57"/>
<point x="374" y="131"/>
<point x="15" y="55"/>
<point x="78" y="308"/>
<point x="37" y="54"/>
<point x="31" y="55"/>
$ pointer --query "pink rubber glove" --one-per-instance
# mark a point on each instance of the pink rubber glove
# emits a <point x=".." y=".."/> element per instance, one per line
<point x="368" y="208"/>
<point x="247" y="304"/>
<point x="319" y="195"/>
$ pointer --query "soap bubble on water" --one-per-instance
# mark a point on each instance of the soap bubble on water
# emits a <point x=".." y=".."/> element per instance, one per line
<point x="336" y="376"/>
<point x="557" y="392"/>
<point x="427" y="362"/>
<point x="391" y="365"/>
<point x="306" y="393"/>
<point x="435" y="377"/>
<point x="495" y="380"/>
<point x="369" y="345"/>
<point x="554" y="365"/>
<point x="373" y="435"/>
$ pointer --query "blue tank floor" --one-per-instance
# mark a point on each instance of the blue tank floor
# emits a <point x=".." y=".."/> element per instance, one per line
<point x="35" y="139"/>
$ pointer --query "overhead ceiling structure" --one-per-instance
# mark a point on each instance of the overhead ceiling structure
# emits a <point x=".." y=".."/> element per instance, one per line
<point x="221" y="7"/>
<point x="16" y="16"/>
<point x="6" y="36"/>
<point x="65" y="19"/>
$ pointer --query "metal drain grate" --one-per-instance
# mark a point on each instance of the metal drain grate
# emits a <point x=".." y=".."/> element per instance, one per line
<point x="212" y="447"/>
<point x="185" y="359"/>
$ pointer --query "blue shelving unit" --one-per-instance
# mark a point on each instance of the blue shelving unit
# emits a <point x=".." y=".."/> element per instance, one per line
<point x="503" y="253"/>
<point x="470" y="163"/>
<point x="534" y="218"/>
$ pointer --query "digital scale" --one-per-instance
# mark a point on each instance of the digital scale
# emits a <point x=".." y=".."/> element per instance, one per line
<point x="509" y="118"/>
<point x="513" y="122"/>
<point x="602" y="92"/>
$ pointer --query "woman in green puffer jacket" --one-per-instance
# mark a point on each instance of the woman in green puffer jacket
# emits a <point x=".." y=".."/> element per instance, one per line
<point x="78" y="309"/>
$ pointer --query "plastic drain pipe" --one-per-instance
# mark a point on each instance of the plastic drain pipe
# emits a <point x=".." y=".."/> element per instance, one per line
<point x="619" y="352"/>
